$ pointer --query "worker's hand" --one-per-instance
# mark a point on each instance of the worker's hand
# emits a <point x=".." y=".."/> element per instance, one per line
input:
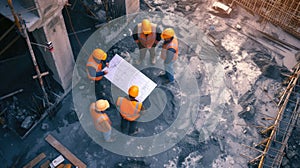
<point x="105" y="72"/>
<point x="107" y="64"/>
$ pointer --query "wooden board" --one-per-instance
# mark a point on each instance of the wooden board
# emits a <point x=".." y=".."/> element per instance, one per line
<point x="46" y="164"/>
<point x="35" y="161"/>
<point x="64" y="151"/>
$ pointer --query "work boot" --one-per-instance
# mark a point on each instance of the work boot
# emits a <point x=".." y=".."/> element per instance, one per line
<point x="168" y="82"/>
<point x="135" y="132"/>
<point x="110" y="140"/>
<point x="162" y="74"/>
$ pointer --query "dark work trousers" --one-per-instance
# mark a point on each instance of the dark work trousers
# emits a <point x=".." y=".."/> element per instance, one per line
<point x="102" y="89"/>
<point x="124" y="126"/>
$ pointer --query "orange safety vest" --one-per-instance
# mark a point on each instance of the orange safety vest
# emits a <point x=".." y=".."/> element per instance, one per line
<point x="129" y="110"/>
<point x="173" y="44"/>
<point x="101" y="120"/>
<point x="98" y="67"/>
<point x="147" y="41"/>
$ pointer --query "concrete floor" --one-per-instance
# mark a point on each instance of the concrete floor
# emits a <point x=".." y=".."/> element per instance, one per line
<point x="229" y="76"/>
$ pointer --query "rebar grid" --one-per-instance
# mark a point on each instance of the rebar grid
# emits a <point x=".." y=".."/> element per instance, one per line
<point x="285" y="14"/>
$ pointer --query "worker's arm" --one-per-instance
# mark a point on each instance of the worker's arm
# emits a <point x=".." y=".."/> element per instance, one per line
<point x="135" y="34"/>
<point x="92" y="72"/>
<point x="170" y="55"/>
<point x="136" y="38"/>
<point x="158" y="34"/>
<point x="158" y="38"/>
<point x="105" y="63"/>
<point x="143" y="110"/>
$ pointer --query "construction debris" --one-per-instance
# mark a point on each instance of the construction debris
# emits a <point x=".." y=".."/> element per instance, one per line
<point x="28" y="121"/>
<point x="45" y="164"/>
<point x="64" y="151"/>
<point x="280" y="131"/>
<point x="35" y="161"/>
<point x="222" y="7"/>
<point x="11" y="94"/>
<point x="57" y="161"/>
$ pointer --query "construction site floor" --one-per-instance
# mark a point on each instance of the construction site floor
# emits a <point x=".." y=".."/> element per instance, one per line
<point x="232" y="100"/>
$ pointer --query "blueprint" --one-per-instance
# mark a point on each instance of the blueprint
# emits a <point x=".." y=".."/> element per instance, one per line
<point x="123" y="75"/>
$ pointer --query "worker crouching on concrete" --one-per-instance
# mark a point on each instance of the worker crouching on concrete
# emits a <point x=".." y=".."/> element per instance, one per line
<point x="130" y="110"/>
<point x="169" y="52"/>
<point x="101" y="121"/>
<point x="147" y="36"/>
<point x="95" y="64"/>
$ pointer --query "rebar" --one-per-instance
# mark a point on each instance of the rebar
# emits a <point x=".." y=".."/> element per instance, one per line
<point x="289" y="126"/>
<point x="278" y="12"/>
<point x="280" y="131"/>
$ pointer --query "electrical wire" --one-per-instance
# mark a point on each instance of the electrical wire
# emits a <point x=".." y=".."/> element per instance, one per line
<point x="29" y="9"/>
<point x="73" y="30"/>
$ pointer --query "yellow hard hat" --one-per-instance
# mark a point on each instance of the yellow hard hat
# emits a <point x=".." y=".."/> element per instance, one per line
<point x="102" y="105"/>
<point x="133" y="91"/>
<point x="146" y="26"/>
<point x="99" y="54"/>
<point x="167" y="33"/>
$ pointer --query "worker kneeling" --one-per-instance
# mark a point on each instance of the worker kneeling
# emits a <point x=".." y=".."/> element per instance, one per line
<point x="101" y="121"/>
<point x="130" y="110"/>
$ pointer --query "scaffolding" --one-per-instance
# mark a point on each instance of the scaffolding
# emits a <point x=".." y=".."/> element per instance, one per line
<point x="283" y="13"/>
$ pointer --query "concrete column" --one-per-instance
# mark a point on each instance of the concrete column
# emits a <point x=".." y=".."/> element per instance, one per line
<point x="132" y="6"/>
<point x="52" y="28"/>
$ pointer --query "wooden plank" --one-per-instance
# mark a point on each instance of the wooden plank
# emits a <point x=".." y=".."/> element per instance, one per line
<point x="46" y="164"/>
<point x="35" y="161"/>
<point x="64" y="151"/>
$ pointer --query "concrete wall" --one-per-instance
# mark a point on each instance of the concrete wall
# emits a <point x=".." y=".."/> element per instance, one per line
<point x="52" y="28"/>
<point x="132" y="6"/>
<point x="55" y="31"/>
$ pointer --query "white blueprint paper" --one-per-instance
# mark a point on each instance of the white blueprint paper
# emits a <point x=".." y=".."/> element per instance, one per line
<point x="123" y="75"/>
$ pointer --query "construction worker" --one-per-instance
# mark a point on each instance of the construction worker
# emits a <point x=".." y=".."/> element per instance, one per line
<point x="169" y="52"/>
<point x="146" y="35"/>
<point x="94" y="66"/>
<point x="130" y="110"/>
<point x="101" y="121"/>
